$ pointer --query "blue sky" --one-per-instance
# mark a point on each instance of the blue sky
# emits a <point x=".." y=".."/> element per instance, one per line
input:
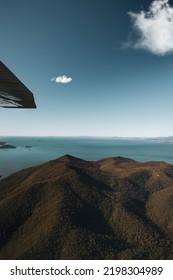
<point x="117" y="63"/>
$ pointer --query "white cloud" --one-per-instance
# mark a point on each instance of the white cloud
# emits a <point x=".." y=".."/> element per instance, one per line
<point x="62" y="79"/>
<point x="155" y="28"/>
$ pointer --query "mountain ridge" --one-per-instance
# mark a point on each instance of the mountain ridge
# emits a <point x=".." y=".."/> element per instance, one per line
<point x="70" y="208"/>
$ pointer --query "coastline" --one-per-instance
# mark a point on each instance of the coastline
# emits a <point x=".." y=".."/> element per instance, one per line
<point x="44" y="149"/>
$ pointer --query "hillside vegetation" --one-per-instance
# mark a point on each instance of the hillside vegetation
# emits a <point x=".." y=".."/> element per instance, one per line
<point x="69" y="208"/>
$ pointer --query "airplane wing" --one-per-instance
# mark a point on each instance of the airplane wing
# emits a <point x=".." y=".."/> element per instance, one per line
<point x="13" y="93"/>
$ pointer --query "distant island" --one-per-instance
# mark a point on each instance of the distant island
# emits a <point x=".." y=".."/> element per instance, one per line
<point x="115" y="208"/>
<point x="7" y="146"/>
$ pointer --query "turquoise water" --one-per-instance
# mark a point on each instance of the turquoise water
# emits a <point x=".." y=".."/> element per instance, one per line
<point x="47" y="148"/>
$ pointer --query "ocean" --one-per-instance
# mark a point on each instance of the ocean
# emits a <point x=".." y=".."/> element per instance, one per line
<point x="47" y="148"/>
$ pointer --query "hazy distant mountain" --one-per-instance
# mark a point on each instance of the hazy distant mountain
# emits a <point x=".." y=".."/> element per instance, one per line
<point x="69" y="208"/>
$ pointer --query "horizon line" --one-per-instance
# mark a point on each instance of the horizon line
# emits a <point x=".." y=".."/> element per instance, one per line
<point x="89" y="136"/>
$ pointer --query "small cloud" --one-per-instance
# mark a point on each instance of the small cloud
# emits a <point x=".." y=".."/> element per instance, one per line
<point x="155" y="28"/>
<point x="62" y="79"/>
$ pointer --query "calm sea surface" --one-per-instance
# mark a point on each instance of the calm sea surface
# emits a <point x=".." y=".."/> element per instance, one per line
<point x="47" y="148"/>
